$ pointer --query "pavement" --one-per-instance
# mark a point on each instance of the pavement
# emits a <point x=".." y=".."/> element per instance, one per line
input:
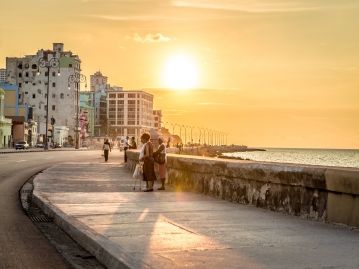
<point x="96" y="204"/>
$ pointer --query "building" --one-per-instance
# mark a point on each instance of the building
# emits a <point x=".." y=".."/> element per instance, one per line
<point x="53" y="71"/>
<point x="157" y="120"/>
<point x="5" y="124"/>
<point x="129" y="113"/>
<point x="98" y="83"/>
<point x="2" y="74"/>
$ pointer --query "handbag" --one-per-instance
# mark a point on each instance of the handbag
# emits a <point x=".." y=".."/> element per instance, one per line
<point x="160" y="158"/>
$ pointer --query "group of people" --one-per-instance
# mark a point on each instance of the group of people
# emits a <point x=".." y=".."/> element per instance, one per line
<point x="147" y="155"/>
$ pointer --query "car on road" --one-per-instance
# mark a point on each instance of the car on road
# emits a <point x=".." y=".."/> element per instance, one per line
<point x="22" y="144"/>
<point x="39" y="145"/>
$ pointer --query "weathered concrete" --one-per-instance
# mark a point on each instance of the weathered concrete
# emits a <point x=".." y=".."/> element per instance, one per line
<point x="95" y="203"/>
<point x="314" y="192"/>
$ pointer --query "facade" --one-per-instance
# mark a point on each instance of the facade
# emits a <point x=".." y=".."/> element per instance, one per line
<point x="2" y="74"/>
<point x="5" y="124"/>
<point x="98" y="83"/>
<point x="97" y="99"/>
<point x="129" y="113"/>
<point x="48" y="70"/>
<point x="16" y="112"/>
<point x="86" y="104"/>
<point x="157" y="120"/>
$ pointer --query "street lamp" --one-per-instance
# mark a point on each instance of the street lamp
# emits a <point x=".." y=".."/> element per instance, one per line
<point x="191" y="134"/>
<point x="173" y="128"/>
<point x="47" y="65"/>
<point x="77" y="79"/>
<point x="204" y="135"/>
<point x="200" y="135"/>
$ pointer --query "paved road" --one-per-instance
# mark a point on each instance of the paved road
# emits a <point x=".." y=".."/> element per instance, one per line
<point x="22" y="245"/>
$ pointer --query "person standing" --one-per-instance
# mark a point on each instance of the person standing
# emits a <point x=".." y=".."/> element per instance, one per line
<point x="133" y="143"/>
<point x="125" y="148"/>
<point x="146" y="156"/>
<point x="161" y="167"/>
<point x="106" y="148"/>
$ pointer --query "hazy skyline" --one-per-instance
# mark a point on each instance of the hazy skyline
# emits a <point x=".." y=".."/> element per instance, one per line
<point x="270" y="73"/>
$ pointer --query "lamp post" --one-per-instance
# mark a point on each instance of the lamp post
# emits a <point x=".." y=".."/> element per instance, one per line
<point x="47" y="65"/>
<point x="185" y="134"/>
<point x="173" y="128"/>
<point x="200" y="135"/>
<point x="77" y="79"/>
<point x="191" y="134"/>
<point x="204" y="134"/>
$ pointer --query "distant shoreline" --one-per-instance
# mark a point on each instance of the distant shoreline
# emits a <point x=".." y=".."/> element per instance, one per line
<point x="221" y="156"/>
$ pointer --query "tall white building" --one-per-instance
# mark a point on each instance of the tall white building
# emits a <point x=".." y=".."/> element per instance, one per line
<point x="33" y="78"/>
<point x="2" y="74"/>
<point x="129" y="113"/>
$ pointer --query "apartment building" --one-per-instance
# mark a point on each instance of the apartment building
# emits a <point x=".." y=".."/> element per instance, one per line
<point x="2" y="74"/>
<point x="48" y="70"/>
<point x="129" y="113"/>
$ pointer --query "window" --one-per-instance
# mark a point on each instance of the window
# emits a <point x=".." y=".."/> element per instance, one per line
<point x="27" y="74"/>
<point x="112" y="102"/>
<point x="112" y="95"/>
<point x="131" y="102"/>
<point x="45" y="107"/>
<point x="62" y="96"/>
<point x="19" y="85"/>
<point x="20" y="75"/>
<point x="131" y="95"/>
<point x="120" y="95"/>
<point x="53" y="74"/>
<point x="70" y="65"/>
<point x="46" y="74"/>
<point x="45" y="95"/>
<point x="34" y="66"/>
<point x="53" y="107"/>
<point x="53" y="84"/>
<point x="120" y="102"/>
<point x="33" y="95"/>
<point x="131" y="122"/>
<point x="26" y="92"/>
<point x="26" y="65"/>
<point x="40" y="106"/>
<point x="19" y="66"/>
<point x="53" y="95"/>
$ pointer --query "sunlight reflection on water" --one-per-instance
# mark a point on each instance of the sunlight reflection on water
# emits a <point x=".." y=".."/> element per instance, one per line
<point x="325" y="157"/>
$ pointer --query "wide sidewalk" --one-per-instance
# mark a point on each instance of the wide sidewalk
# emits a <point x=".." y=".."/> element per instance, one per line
<point x="125" y="228"/>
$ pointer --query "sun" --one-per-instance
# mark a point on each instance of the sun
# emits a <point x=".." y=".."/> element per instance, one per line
<point x="180" y="72"/>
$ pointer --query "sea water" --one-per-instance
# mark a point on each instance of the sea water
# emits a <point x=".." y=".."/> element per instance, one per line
<point x="323" y="157"/>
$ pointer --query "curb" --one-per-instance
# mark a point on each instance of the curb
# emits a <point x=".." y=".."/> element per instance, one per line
<point x="105" y="251"/>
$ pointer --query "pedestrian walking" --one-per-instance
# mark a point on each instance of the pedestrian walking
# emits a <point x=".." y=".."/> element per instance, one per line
<point x="106" y="148"/>
<point x="125" y="147"/>
<point x="161" y="167"/>
<point x="146" y="156"/>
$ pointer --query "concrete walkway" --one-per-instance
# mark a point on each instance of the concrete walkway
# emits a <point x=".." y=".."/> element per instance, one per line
<point x="124" y="228"/>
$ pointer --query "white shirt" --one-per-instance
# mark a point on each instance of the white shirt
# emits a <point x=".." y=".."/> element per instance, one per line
<point x="142" y="153"/>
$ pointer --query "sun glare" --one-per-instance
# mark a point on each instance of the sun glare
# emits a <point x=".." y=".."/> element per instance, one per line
<point x="180" y="72"/>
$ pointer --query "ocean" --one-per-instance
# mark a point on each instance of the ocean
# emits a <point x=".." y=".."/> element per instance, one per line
<point x="325" y="157"/>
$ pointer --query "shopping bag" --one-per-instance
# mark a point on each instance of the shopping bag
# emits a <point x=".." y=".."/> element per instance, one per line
<point x="138" y="172"/>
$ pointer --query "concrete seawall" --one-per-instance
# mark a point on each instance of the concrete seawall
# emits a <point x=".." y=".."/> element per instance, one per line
<point x="316" y="192"/>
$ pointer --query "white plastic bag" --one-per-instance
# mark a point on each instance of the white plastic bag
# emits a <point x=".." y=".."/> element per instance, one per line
<point x="138" y="172"/>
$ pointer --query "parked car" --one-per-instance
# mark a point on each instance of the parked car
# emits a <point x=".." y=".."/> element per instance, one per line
<point x="57" y="145"/>
<point x="39" y="145"/>
<point x="22" y="144"/>
<point x="84" y="144"/>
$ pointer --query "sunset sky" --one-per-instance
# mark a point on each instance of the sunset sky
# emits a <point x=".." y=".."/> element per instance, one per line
<point x="271" y="73"/>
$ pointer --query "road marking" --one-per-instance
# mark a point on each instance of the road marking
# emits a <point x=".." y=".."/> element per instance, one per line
<point x="49" y="158"/>
<point x="21" y="161"/>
